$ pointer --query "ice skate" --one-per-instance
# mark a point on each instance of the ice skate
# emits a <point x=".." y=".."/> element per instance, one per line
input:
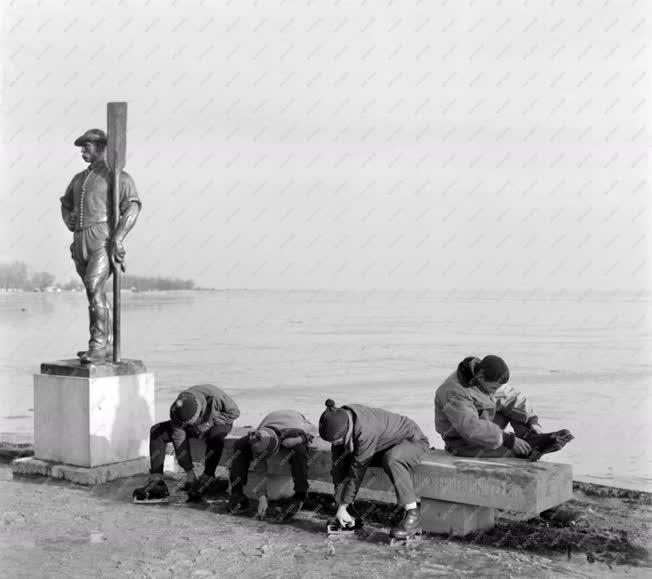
<point x="155" y="491"/>
<point x="408" y="528"/>
<point x="548" y="442"/>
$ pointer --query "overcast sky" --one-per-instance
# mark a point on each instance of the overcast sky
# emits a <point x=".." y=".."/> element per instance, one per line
<point x="362" y="144"/>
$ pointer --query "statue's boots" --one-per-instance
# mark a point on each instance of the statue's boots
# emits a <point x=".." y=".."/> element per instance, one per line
<point x="547" y="442"/>
<point x="409" y="526"/>
<point x="109" y="337"/>
<point x="109" y="333"/>
<point x="97" y="350"/>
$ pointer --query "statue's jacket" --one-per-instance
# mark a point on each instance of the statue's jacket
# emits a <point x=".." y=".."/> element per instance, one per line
<point x="87" y="200"/>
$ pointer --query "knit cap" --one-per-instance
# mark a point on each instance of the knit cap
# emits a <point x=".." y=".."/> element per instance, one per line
<point x="494" y="369"/>
<point x="264" y="442"/>
<point x="333" y="423"/>
<point x="185" y="408"/>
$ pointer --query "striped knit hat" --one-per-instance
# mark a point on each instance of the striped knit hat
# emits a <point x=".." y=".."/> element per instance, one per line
<point x="264" y="442"/>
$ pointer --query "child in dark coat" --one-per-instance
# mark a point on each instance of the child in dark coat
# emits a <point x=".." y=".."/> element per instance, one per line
<point x="475" y="404"/>
<point x="203" y="411"/>
<point x="362" y="436"/>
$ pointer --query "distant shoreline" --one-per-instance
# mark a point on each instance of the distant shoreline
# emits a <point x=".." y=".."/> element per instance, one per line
<point x="525" y="295"/>
<point x="19" y="276"/>
<point x="109" y="290"/>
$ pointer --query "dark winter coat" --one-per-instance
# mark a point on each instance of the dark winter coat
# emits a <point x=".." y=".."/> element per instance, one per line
<point x="463" y="410"/>
<point x="374" y="430"/>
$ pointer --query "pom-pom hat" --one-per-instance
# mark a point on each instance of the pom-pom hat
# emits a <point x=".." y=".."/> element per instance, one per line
<point x="333" y="423"/>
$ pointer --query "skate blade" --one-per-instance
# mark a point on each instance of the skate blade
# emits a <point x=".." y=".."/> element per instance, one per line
<point x="349" y="533"/>
<point x="238" y="512"/>
<point x="334" y="530"/>
<point x="149" y="501"/>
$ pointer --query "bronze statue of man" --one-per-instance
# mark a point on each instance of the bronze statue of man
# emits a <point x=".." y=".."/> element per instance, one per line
<point x="96" y="249"/>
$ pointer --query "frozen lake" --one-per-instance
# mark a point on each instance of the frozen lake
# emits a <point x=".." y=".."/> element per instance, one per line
<point x="584" y="360"/>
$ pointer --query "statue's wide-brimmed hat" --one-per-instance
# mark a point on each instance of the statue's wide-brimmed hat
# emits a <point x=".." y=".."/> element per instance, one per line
<point x="91" y="136"/>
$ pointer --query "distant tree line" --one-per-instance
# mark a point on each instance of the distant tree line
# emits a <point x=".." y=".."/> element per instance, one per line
<point x="142" y="283"/>
<point x="17" y="275"/>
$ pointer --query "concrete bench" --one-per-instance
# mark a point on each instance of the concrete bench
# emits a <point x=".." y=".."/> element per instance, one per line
<point x="458" y="495"/>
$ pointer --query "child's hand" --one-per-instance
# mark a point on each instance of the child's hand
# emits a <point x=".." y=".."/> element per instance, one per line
<point x="343" y="517"/>
<point x="521" y="448"/>
<point x="262" y="507"/>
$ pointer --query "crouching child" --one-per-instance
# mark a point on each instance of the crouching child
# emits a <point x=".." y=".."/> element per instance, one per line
<point x="362" y="436"/>
<point x="287" y="429"/>
<point x="474" y="405"/>
<point x="205" y="412"/>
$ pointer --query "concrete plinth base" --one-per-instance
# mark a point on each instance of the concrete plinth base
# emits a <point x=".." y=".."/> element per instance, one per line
<point x="80" y="475"/>
<point x="455" y="518"/>
<point x="89" y="416"/>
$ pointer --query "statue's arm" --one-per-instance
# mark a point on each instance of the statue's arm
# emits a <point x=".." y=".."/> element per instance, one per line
<point x="127" y="220"/>
<point x="129" y="207"/>
<point x="125" y="224"/>
<point x="129" y="210"/>
<point x="68" y="208"/>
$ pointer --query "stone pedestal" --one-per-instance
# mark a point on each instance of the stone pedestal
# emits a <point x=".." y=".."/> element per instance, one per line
<point x="454" y="518"/>
<point x="91" y="416"/>
<point x="458" y="495"/>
